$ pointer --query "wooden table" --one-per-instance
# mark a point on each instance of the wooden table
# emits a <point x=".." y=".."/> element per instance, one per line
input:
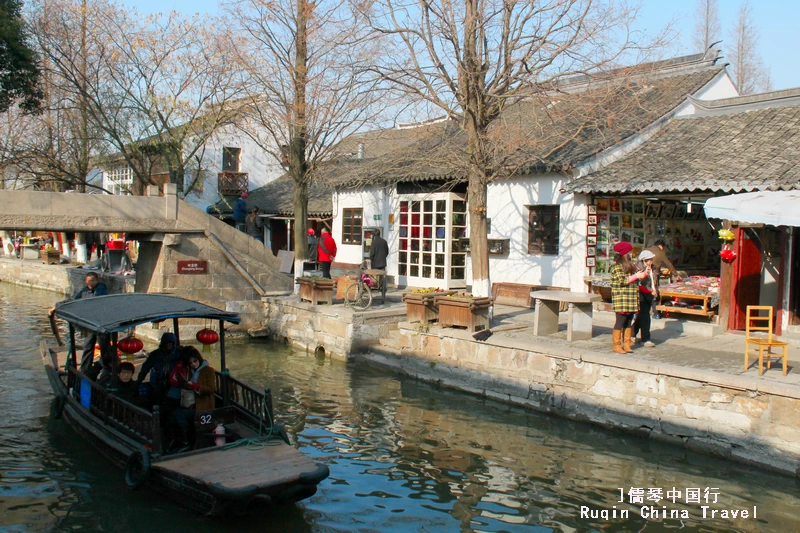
<point x="704" y="299"/>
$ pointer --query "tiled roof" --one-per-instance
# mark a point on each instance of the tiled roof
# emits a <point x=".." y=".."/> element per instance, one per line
<point x="556" y="131"/>
<point x="277" y="198"/>
<point x="735" y="150"/>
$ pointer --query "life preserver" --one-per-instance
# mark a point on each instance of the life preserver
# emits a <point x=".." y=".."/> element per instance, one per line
<point x="135" y="479"/>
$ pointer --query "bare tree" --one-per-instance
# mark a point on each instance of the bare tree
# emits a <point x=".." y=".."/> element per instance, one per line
<point x="309" y="86"/>
<point x="474" y="59"/>
<point x="707" y="29"/>
<point x="750" y="75"/>
<point x="157" y="87"/>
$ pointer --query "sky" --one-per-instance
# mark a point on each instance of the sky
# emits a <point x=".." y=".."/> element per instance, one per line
<point x="776" y="21"/>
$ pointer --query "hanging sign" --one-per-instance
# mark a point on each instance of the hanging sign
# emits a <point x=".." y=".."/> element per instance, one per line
<point x="192" y="267"/>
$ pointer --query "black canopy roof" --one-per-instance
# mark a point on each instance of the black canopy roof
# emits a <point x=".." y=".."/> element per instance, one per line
<point x="118" y="312"/>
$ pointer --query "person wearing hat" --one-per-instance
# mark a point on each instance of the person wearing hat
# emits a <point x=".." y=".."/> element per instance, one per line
<point x="648" y="293"/>
<point x="159" y="364"/>
<point x="661" y="260"/>
<point x="312" y="246"/>
<point x="240" y="211"/>
<point x="625" y="280"/>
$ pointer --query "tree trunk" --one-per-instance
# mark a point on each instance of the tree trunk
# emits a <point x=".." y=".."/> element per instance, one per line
<point x="298" y="166"/>
<point x="472" y="100"/>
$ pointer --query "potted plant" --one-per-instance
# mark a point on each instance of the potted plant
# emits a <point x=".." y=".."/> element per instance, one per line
<point x="464" y="310"/>
<point x="421" y="304"/>
<point x="316" y="290"/>
<point x="50" y="255"/>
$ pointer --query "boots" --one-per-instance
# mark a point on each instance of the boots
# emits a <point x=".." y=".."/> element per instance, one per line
<point x="626" y="340"/>
<point x="617" y="335"/>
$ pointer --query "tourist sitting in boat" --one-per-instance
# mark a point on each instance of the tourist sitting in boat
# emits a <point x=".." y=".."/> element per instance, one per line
<point x="195" y="379"/>
<point x="159" y="364"/>
<point x="123" y="385"/>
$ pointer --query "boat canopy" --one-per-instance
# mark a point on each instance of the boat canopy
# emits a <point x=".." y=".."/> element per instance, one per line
<point x="118" y="312"/>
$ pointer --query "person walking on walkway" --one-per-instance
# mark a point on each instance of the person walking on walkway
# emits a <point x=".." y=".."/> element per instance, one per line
<point x="240" y="211"/>
<point x="624" y="295"/>
<point x="648" y="293"/>
<point x="326" y="252"/>
<point x="93" y="287"/>
<point x="254" y="226"/>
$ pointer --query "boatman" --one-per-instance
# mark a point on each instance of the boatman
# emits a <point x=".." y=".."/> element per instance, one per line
<point x="94" y="287"/>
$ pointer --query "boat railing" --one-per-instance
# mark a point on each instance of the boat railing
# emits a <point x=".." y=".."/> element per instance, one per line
<point x="256" y="405"/>
<point x="134" y="422"/>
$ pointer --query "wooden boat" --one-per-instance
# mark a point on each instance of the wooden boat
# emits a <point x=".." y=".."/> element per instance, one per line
<point x="256" y="467"/>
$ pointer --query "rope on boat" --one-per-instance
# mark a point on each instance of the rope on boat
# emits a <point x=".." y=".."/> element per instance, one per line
<point x="269" y="439"/>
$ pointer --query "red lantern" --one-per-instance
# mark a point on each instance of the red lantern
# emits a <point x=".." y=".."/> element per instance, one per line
<point x="727" y="255"/>
<point x="130" y="345"/>
<point x="207" y="337"/>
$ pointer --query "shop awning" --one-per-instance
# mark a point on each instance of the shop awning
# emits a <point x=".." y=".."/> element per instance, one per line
<point x="775" y="208"/>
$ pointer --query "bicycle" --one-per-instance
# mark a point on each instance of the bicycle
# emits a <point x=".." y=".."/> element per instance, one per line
<point x="358" y="295"/>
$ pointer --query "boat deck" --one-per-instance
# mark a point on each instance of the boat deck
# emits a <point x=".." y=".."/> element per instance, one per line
<point x="242" y="466"/>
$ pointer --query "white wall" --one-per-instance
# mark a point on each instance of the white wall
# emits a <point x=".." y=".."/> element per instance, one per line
<point x="720" y="88"/>
<point x="260" y="166"/>
<point x="507" y="210"/>
<point x="374" y="202"/>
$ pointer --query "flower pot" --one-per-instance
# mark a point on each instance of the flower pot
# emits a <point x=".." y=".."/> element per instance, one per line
<point x="421" y="306"/>
<point x="468" y="312"/>
<point x="316" y="290"/>
<point x="50" y="257"/>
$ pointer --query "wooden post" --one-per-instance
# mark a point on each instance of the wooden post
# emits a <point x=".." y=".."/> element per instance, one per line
<point x="222" y="345"/>
<point x="268" y="402"/>
<point x="176" y="331"/>
<point x="157" y="430"/>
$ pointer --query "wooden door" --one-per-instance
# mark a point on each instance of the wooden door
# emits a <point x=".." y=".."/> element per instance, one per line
<point x="746" y="279"/>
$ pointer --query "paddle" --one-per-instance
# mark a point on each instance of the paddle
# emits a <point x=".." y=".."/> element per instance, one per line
<point x="54" y="329"/>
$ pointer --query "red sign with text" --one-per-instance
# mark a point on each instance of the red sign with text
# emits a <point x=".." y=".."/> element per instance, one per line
<point x="192" y="267"/>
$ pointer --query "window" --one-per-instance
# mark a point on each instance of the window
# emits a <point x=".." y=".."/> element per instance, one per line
<point x="351" y="226"/>
<point x="230" y="159"/>
<point x="543" y="229"/>
<point x="119" y="180"/>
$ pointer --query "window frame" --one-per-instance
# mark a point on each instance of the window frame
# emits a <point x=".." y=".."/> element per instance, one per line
<point x="538" y="212"/>
<point x="228" y="153"/>
<point x="349" y="233"/>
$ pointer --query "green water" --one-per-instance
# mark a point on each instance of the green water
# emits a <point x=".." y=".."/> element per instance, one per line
<point x="403" y="456"/>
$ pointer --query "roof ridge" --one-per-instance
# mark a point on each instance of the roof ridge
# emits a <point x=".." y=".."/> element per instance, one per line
<point x="654" y="69"/>
<point x="750" y="102"/>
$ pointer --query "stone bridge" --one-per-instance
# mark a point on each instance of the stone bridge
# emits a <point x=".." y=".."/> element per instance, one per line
<point x="233" y="270"/>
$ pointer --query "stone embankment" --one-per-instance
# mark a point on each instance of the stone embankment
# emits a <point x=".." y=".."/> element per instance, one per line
<point x="744" y="418"/>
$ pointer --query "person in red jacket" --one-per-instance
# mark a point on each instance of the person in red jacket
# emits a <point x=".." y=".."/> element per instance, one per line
<point x="326" y="252"/>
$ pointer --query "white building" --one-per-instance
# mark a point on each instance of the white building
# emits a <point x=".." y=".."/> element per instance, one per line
<point x="410" y="181"/>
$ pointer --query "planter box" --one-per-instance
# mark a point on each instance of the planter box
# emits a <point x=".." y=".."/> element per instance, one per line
<point x="51" y="258"/>
<point x="421" y="306"/>
<point x="470" y="313"/>
<point x="316" y="290"/>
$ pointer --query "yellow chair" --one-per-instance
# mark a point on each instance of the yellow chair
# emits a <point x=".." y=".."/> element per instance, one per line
<point x="762" y="323"/>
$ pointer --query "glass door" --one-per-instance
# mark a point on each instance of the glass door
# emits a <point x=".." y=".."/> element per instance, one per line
<point x="427" y="249"/>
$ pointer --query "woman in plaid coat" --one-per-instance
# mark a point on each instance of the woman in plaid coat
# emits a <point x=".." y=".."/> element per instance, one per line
<point x="624" y="295"/>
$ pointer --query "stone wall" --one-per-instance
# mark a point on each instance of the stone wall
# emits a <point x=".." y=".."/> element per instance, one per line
<point x="336" y="329"/>
<point x="57" y="278"/>
<point x="747" y="419"/>
<point x="35" y="274"/>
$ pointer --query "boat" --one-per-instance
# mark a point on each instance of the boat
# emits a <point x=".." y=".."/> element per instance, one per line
<point x="254" y="467"/>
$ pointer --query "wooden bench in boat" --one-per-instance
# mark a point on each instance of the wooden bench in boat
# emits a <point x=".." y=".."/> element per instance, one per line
<point x="579" y="313"/>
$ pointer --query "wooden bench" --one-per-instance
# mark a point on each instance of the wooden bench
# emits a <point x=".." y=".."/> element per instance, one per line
<point x="519" y="294"/>
<point x="579" y="313"/>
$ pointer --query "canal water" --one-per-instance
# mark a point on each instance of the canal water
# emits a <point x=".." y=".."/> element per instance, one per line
<point x="404" y="456"/>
